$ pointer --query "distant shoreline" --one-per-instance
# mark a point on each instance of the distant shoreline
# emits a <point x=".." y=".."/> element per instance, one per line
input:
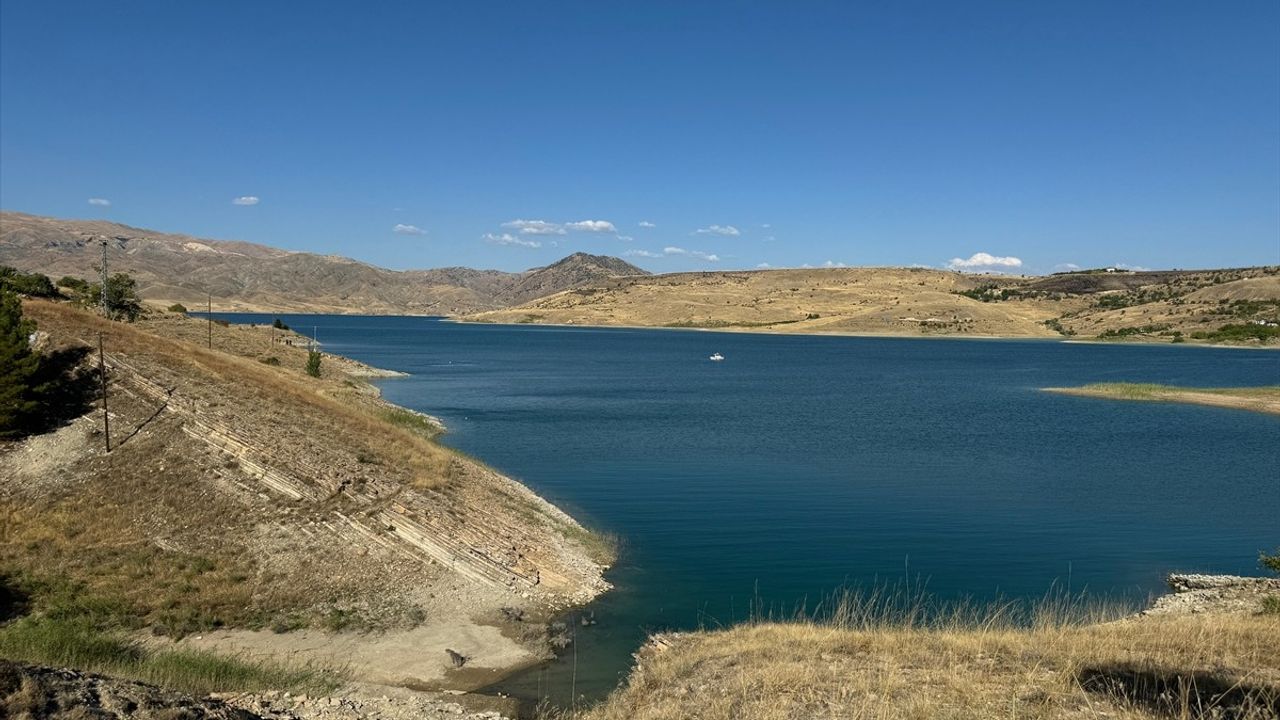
<point x="1254" y="399"/>
<point x="848" y="333"/>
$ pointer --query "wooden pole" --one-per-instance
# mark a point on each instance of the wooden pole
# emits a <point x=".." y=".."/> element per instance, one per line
<point x="102" y="376"/>
<point x="209" y="317"/>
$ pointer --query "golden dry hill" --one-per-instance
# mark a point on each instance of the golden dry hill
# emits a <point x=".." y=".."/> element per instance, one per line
<point x="1159" y="306"/>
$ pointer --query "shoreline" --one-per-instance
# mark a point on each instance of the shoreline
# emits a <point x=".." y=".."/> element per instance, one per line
<point x="1264" y="400"/>
<point x="845" y="333"/>
<point x="460" y="320"/>
<point x="540" y="610"/>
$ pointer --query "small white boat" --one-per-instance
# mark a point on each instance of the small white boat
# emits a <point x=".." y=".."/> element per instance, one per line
<point x="716" y="357"/>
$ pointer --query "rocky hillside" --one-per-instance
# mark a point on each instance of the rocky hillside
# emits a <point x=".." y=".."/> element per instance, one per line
<point x="1159" y="306"/>
<point x="244" y="276"/>
<point x="246" y="507"/>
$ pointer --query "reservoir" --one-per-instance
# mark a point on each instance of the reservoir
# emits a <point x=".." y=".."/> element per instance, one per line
<point x="799" y="465"/>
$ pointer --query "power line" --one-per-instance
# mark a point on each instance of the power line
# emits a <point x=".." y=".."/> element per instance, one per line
<point x="102" y="376"/>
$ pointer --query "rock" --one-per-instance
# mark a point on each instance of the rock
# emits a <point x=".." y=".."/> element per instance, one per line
<point x="458" y="658"/>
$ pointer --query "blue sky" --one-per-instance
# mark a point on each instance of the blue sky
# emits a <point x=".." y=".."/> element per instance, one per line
<point x="680" y="135"/>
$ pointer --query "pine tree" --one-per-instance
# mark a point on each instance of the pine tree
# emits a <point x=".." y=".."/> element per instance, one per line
<point x="18" y="366"/>
<point x="313" y="364"/>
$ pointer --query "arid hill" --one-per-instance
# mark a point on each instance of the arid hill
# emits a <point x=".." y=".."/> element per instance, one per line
<point x="244" y="276"/>
<point x="915" y="301"/>
<point x="247" y="508"/>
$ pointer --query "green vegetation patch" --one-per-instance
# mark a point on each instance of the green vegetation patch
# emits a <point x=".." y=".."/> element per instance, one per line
<point x="32" y="284"/>
<point x="411" y="421"/>
<point x="1243" y="332"/>
<point x="78" y="643"/>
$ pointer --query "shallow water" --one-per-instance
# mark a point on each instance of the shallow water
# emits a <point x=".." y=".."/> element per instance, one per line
<point x="801" y="464"/>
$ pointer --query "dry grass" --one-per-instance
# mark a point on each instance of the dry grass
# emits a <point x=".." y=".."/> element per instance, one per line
<point x="873" y="665"/>
<point x="848" y="300"/>
<point x="144" y="537"/>
<point x="326" y="401"/>
<point x="1171" y="307"/>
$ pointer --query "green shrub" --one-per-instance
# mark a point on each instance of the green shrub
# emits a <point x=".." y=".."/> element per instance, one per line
<point x="279" y="325"/>
<point x="123" y="301"/>
<point x="273" y="360"/>
<point x="313" y="363"/>
<point x="33" y="284"/>
<point x="178" y="308"/>
<point x="19" y="367"/>
<point x="73" y="284"/>
<point x="1270" y="562"/>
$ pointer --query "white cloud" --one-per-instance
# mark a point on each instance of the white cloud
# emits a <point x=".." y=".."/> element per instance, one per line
<point x="985" y="261"/>
<point x="1127" y="266"/>
<point x="535" y="227"/>
<point x="766" y="226"/>
<point x="509" y="240"/>
<point x="832" y="264"/>
<point x="642" y="253"/>
<point x="709" y="257"/>
<point x="1066" y="267"/>
<point x="763" y="266"/>
<point x="402" y="229"/>
<point x="646" y="224"/>
<point x="246" y="200"/>
<point x="100" y="202"/>
<point x="625" y="238"/>
<point x="595" y="226"/>
<point x="727" y="230"/>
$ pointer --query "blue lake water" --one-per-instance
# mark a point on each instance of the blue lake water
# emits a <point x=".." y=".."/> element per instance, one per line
<point x="801" y="464"/>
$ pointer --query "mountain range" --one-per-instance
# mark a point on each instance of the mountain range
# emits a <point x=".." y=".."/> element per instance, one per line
<point x="245" y="276"/>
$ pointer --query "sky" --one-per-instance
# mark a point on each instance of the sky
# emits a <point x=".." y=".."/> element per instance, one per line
<point x="1016" y="136"/>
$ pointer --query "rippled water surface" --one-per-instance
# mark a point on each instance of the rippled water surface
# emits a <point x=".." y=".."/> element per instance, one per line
<point x="801" y="464"/>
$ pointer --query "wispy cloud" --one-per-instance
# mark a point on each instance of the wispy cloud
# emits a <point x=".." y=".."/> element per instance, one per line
<point x="646" y="224"/>
<point x="594" y="226"/>
<point x="100" y="202"/>
<point x="402" y="229"/>
<point x="726" y="230"/>
<point x="833" y="264"/>
<point x="1066" y="267"/>
<point x="642" y="253"/>
<point x="985" y="261"/>
<point x="763" y="266"/>
<point x="535" y="227"/>
<point x="709" y="257"/>
<point x="1127" y="266"/>
<point x="246" y="200"/>
<point x="510" y="240"/>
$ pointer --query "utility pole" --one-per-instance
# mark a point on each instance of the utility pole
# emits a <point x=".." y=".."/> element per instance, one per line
<point x="209" y="315"/>
<point x="106" y="308"/>
<point x="102" y="377"/>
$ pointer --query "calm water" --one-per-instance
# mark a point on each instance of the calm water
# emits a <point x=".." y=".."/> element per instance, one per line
<point x="801" y="464"/>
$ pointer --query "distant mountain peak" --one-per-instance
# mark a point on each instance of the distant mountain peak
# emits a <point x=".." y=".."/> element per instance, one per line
<point x="611" y="265"/>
